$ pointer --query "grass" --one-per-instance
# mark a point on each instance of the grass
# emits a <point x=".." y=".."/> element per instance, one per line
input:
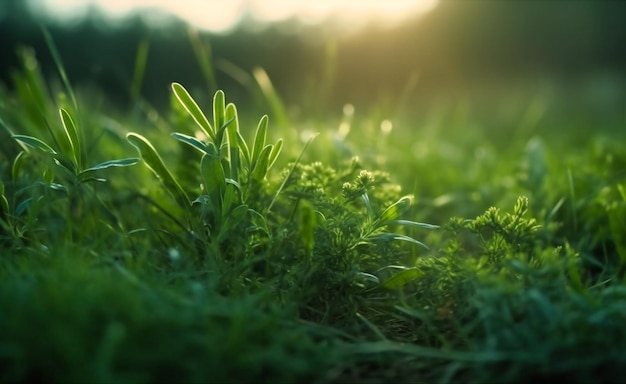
<point x="190" y="247"/>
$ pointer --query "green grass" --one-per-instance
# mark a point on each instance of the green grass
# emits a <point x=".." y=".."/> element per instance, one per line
<point x="187" y="246"/>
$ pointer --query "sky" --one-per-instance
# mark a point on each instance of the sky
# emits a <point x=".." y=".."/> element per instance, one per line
<point x="221" y="15"/>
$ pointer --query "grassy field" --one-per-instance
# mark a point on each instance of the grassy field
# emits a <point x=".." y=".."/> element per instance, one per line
<point x="483" y="241"/>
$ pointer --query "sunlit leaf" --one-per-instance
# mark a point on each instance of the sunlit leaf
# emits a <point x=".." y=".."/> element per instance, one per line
<point x="395" y="236"/>
<point x="260" y="169"/>
<point x="108" y="164"/>
<point x="153" y="161"/>
<point x="259" y="139"/>
<point x="394" y="210"/>
<point x="402" y="278"/>
<point x="72" y="134"/>
<point x="275" y="152"/>
<point x="34" y="142"/>
<point x="192" y="108"/>
<point x="192" y="141"/>
<point x="219" y="111"/>
<point x="413" y="224"/>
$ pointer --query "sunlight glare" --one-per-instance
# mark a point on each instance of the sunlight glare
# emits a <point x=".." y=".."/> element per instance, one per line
<point x="224" y="15"/>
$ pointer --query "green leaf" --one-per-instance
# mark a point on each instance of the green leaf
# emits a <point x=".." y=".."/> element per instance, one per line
<point x="192" y="141"/>
<point x="291" y="170"/>
<point x="394" y="210"/>
<point x="413" y="224"/>
<point x="233" y="220"/>
<point x="214" y="180"/>
<point x="34" y="142"/>
<point x="4" y="203"/>
<point x="395" y="236"/>
<point x="306" y="225"/>
<point x="72" y="135"/>
<point x="259" y="139"/>
<point x="233" y="140"/>
<point x="402" y="278"/>
<point x="275" y="152"/>
<point x="243" y="147"/>
<point x="219" y="110"/>
<point x="192" y="108"/>
<point x="16" y="168"/>
<point x="260" y="169"/>
<point x="153" y="161"/>
<point x="108" y="164"/>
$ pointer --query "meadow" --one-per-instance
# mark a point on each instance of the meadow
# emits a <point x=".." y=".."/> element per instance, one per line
<point x="482" y="241"/>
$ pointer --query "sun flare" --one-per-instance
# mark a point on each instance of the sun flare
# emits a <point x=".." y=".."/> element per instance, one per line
<point x="221" y="15"/>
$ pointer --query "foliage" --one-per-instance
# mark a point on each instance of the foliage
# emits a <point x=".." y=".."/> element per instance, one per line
<point x="235" y="255"/>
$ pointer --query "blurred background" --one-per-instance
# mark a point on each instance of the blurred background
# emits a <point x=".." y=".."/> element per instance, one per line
<point x="320" y="55"/>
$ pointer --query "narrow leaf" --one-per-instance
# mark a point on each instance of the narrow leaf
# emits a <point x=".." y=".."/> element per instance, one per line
<point x="275" y="152"/>
<point x="35" y="143"/>
<point x="243" y="147"/>
<point x="233" y="219"/>
<point x="214" y="180"/>
<point x="413" y="224"/>
<point x="108" y="164"/>
<point x="395" y="236"/>
<point x="192" y="141"/>
<point x="402" y="278"/>
<point x="260" y="169"/>
<point x="219" y="110"/>
<point x="192" y="108"/>
<point x="259" y="139"/>
<point x="393" y="211"/>
<point x="293" y="167"/>
<point x="72" y="135"/>
<point x="153" y="161"/>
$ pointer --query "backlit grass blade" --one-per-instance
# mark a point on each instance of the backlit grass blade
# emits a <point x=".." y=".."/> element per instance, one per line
<point x="261" y="166"/>
<point x="153" y="161"/>
<point x="192" y="141"/>
<point x="192" y="108"/>
<point x="204" y="58"/>
<point x="259" y="139"/>
<point x="141" y="60"/>
<point x="279" y="112"/>
<point x="108" y="164"/>
<point x="219" y="111"/>
<point x="34" y="142"/>
<point x="395" y="236"/>
<point x="72" y="135"/>
<point x="233" y="140"/>
<point x="291" y="170"/>
<point x="413" y="224"/>
<point x="394" y="210"/>
<point x="275" y="152"/>
<point x="243" y="146"/>
<point x="57" y="60"/>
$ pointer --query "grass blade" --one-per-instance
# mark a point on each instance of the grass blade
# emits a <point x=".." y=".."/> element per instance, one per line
<point x="72" y="135"/>
<point x="57" y="60"/>
<point x="139" y="72"/>
<point x="259" y="139"/>
<point x="192" y="141"/>
<point x="275" y="152"/>
<point x="154" y="162"/>
<point x="192" y="108"/>
<point x="293" y="167"/>
<point x="34" y="142"/>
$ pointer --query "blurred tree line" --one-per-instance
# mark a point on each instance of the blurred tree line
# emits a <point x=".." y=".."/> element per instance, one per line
<point x="457" y="44"/>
